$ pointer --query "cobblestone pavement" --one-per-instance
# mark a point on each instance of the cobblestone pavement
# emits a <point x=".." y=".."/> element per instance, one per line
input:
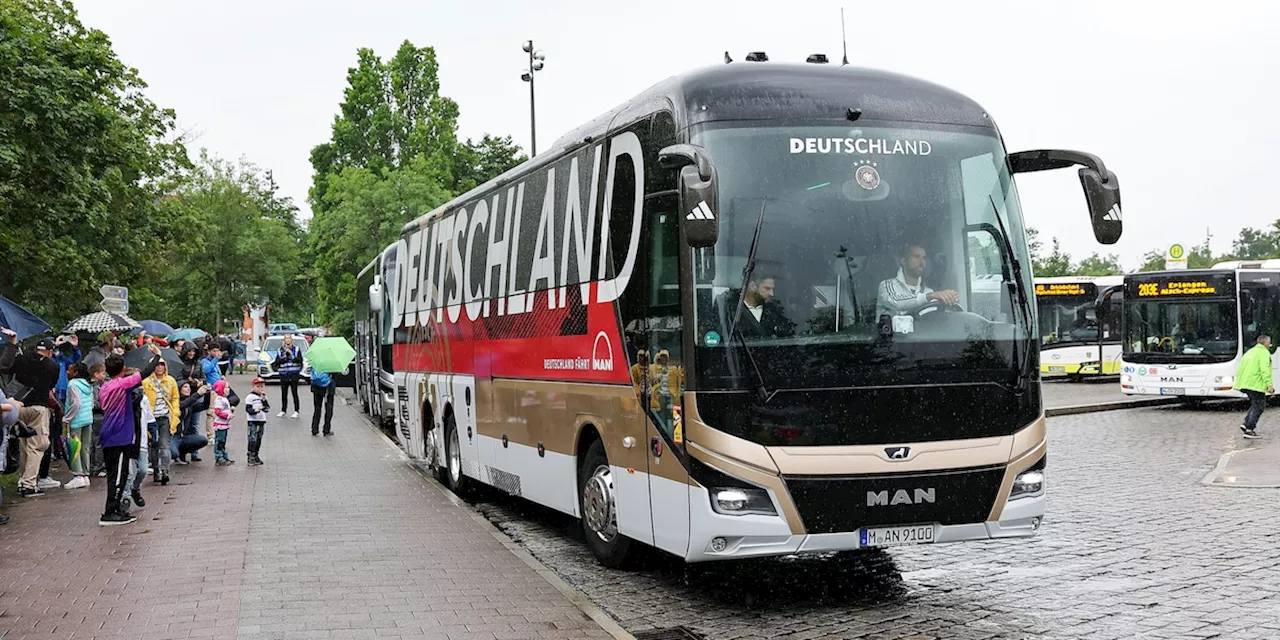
<point x="335" y="537"/>
<point x="1065" y="393"/>
<point x="1133" y="546"/>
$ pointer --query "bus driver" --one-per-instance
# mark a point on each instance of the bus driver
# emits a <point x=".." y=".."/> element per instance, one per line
<point x="907" y="292"/>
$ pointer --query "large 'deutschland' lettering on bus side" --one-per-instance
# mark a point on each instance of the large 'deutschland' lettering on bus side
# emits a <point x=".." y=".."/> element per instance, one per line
<point x="488" y="257"/>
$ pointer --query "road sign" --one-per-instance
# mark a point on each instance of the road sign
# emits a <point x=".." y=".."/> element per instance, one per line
<point x="112" y="292"/>
<point x="112" y="305"/>
<point x="1175" y="257"/>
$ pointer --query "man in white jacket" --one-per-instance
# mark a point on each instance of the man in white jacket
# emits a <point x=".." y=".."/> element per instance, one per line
<point x="906" y="292"/>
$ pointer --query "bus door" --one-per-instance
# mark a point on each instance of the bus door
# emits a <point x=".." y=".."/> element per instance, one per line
<point x="652" y="323"/>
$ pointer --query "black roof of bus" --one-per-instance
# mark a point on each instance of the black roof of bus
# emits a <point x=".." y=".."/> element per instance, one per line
<point x="764" y="90"/>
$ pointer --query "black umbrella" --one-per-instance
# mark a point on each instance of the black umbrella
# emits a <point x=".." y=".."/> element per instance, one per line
<point x="100" y="321"/>
<point x="138" y="358"/>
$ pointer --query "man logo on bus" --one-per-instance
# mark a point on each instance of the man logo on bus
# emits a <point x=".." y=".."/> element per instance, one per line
<point x="602" y="361"/>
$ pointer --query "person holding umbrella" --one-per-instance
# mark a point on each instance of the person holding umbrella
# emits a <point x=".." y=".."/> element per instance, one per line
<point x="327" y="355"/>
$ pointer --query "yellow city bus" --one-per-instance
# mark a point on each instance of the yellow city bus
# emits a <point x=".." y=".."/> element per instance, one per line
<point x="1079" y="318"/>
<point x="759" y="309"/>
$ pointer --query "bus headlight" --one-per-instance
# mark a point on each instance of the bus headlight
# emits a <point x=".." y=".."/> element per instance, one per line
<point x="737" y="501"/>
<point x="1229" y="381"/>
<point x="1030" y="482"/>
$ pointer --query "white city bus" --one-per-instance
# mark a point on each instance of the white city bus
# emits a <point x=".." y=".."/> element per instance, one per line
<point x="1079" y="318"/>
<point x="1186" y="330"/>
<point x="578" y="331"/>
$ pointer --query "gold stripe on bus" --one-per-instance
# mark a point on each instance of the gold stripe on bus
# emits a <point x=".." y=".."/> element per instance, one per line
<point x="753" y="475"/>
<point x="1017" y="466"/>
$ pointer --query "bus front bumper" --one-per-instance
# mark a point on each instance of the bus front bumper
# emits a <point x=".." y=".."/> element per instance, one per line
<point x="761" y="536"/>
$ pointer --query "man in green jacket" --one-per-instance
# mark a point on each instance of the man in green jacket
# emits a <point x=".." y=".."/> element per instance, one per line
<point x="1254" y="379"/>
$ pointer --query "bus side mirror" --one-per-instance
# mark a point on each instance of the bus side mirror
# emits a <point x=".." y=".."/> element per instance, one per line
<point x="375" y="297"/>
<point x="1103" y="195"/>
<point x="1101" y="186"/>
<point x="699" y="210"/>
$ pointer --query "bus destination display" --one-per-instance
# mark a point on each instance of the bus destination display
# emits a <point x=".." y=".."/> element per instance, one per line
<point x="1184" y="287"/>
<point x="1066" y="289"/>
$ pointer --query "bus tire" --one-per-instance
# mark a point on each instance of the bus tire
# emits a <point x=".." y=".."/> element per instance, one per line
<point x="453" y="476"/>
<point x="598" y="505"/>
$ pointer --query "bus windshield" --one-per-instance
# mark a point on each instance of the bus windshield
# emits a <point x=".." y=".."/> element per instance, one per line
<point x="1185" y="330"/>
<point x="858" y="225"/>
<point x="1067" y="319"/>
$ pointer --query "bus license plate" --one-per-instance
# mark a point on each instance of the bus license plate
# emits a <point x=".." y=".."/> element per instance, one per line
<point x="1053" y="369"/>
<point x="893" y="536"/>
<point x="1166" y="391"/>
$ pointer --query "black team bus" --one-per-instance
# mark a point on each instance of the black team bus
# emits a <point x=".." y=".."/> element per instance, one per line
<point x="759" y="309"/>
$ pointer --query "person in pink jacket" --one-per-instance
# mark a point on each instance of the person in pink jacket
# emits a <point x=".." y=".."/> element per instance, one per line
<point x="222" y="415"/>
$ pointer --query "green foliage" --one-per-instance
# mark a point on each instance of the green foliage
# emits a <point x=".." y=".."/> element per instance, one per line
<point x="1255" y="244"/>
<point x="364" y="212"/>
<point x="475" y="163"/>
<point x="1097" y="265"/>
<point x="84" y="157"/>
<point x="1057" y="263"/>
<point x="1200" y="257"/>
<point x="241" y="244"/>
<point x="393" y="155"/>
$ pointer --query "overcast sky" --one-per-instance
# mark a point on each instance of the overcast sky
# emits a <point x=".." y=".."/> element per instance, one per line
<point x="1176" y="97"/>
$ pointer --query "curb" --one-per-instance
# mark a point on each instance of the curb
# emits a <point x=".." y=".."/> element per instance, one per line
<point x="1209" y="478"/>
<point x="580" y="600"/>
<point x="1109" y="406"/>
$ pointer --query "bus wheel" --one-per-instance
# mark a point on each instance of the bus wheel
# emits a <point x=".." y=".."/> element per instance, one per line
<point x="453" y="477"/>
<point x="599" y="509"/>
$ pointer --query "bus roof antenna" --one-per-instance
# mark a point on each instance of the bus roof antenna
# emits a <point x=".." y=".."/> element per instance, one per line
<point x="844" y="42"/>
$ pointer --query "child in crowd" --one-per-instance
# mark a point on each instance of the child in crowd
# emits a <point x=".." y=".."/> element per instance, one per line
<point x="256" y="405"/>
<point x="222" y="416"/>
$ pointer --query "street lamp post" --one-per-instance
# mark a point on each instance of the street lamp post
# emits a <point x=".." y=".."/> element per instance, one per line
<point x="535" y="64"/>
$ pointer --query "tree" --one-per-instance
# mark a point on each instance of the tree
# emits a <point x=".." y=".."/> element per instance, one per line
<point x="476" y="163"/>
<point x="84" y="159"/>
<point x="1200" y="257"/>
<point x="364" y="212"/>
<point x="1057" y="263"/>
<point x="393" y="155"/>
<point x="1096" y="265"/>
<point x="1254" y="244"/>
<point x="242" y="248"/>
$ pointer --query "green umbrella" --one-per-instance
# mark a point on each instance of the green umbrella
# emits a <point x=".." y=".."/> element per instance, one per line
<point x="330" y="355"/>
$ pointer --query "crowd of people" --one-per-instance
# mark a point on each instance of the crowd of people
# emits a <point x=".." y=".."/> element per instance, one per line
<point x="109" y="420"/>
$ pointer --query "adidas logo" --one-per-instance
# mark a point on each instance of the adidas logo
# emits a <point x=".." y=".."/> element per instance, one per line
<point x="1113" y="214"/>
<point x="700" y="212"/>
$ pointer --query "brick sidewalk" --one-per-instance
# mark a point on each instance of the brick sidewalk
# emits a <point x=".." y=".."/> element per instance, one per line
<point x="334" y="537"/>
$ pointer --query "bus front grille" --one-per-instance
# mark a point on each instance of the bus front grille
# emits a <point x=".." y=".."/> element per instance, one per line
<point x="833" y="504"/>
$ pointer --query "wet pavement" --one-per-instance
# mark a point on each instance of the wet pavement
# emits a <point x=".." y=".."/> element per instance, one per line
<point x="1064" y="393"/>
<point x="335" y="537"/>
<point x="1133" y="545"/>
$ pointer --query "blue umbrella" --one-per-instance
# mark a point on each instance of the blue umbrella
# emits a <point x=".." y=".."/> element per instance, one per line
<point x="156" y="327"/>
<point x="187" y="334"/>
<point x="20" y="321"/>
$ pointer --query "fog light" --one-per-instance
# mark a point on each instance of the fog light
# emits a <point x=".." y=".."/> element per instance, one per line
<point x="719" y="544"/>
<point x="1035" y="523"/>
<point x="736" y="501"/>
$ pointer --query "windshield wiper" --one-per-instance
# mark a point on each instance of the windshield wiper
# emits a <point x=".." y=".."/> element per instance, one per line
<point x="1023" y="366"/>
<point x="734" y="330"/>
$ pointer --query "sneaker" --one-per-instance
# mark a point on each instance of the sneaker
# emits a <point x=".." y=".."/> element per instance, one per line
<point x="196" y="458"/>
<point x="29" y="493"/>
<point x="114" y="519"/>
<point x="137" y="499"/>
<point x="328" y="433"/>
<point x="181" y="462"/>
<point x="4" y="519"/>
<point x="47" y="483"/>
<point x="295" y="415"/>
<point x="78" y="482"/>
<point x="280" y="415"/>
<point x="253" y="462"/>
<point x="1250" y="434"/>
<point x="101" y="474"/>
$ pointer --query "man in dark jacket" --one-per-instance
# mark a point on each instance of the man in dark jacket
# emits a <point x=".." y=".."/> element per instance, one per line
<point x="37" y="374"/>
